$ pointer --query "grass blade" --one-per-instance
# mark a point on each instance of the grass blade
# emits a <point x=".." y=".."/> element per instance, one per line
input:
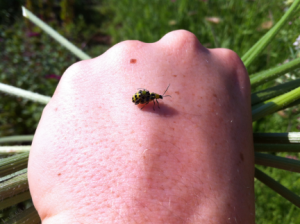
<point x="295" y="103"/>
<point x="14" y="149"/>
<point x="276" y="147"/>
<point x="271" y="74"/>
<point x="16" y="138"/>
<point x="13" y="163"/>
<point x="277" y="162"/>
<point x="12" y="175"/>
<point x="15" y="200"/>
<point x="59" y="38"/>
<point x="277" y="187"/>
<point x="268" y="37"/>
<point x="28" y="216"/>
<point x="275" y="104"/>
<point x="13" y="186"/>
<point x="24" y="93"/>
<point x="277" y="138"/>
<point x="272" y="92"/>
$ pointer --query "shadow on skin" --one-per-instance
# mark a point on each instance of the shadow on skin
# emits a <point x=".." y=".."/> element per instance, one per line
<point x="163" y="110"/>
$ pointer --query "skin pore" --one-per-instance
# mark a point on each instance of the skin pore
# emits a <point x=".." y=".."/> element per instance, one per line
<point x="98" y="158"/>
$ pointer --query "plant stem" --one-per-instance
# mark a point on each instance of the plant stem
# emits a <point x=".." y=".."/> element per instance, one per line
<point x="275" y="104"/>
<point x="277" y="187"/>
<point x="276" y="147"/>
<point x="271" y="74"/>
<point x="59" y="38"/>
<point x="277" y="162"/>
<point x="13" y="163"/>
<point x="16" y="138"/>
<point x="24" y="93"/>
<point x="14" y="149"/>
<point x="277" y="138"/>
<point x="268" y="37"/>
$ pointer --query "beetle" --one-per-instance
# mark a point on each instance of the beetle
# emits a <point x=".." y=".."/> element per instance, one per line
<point x="143" y="96"/>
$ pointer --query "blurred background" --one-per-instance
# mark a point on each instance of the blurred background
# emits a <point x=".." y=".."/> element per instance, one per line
<point x="31" y="60"/>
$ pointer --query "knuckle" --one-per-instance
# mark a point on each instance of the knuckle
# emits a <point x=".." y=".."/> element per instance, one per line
<point x="182" y="41"/>
<point x="125" y="48"/>
<point x="231" y="58"/>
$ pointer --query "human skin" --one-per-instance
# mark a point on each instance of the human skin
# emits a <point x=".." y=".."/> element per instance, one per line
<point x="98" y="158"/>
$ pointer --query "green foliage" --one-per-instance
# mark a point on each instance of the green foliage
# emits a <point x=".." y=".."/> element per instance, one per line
<point x="283" y="121"/>
<point x="8" y="9"/>
<point x="271" y="207"/>
<point x="237" y="25"/>
<point x="32" y="61"/>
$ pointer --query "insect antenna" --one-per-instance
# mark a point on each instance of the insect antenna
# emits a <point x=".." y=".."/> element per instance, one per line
<point x="143" y="89"/>
<point x="166" y="91"/>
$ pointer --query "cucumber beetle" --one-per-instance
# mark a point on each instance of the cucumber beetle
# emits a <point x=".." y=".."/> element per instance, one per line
<point x="143" y="96"/>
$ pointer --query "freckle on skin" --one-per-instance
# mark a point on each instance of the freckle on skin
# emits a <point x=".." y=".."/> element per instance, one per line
<point x="133" y="61"/>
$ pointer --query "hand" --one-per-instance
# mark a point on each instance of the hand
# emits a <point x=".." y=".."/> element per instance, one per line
<point x="98" y="158"/>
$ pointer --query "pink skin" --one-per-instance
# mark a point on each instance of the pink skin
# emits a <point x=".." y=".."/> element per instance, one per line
<point x="98" y="158"/>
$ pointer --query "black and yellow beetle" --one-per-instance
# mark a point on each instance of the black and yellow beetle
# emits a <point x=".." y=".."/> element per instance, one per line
<point x="144" y="97"/>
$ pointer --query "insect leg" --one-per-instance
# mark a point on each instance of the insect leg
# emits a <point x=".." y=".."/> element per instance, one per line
<point x="157" y="103"/>
<point x="137" y="102"/>
<point x="144" y="105"/>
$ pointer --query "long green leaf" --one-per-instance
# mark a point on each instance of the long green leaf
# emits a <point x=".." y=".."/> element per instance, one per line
<point x="13" y="163"/>
<point x="277" y="187"/>
<point x="13" y="186"/>
<point x="275" y="104"/>
<point x="12" y="175"/>
<point x="16" y="138"/>
<point x="28" y="216"/>
<point x="272" y="92"/>
<point x="277" y="162"/>
<point x="271" y="74"/>
<point x="63" y="41"/>
<point x="276" y="147"/>
<point x="14" y="149"/>
<point x="277" y="138"/>
<point x="295" y="103"/>
<point x="268" y="37"/>
<point x="15" y="200"/>
<point x="24" y="93"/>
